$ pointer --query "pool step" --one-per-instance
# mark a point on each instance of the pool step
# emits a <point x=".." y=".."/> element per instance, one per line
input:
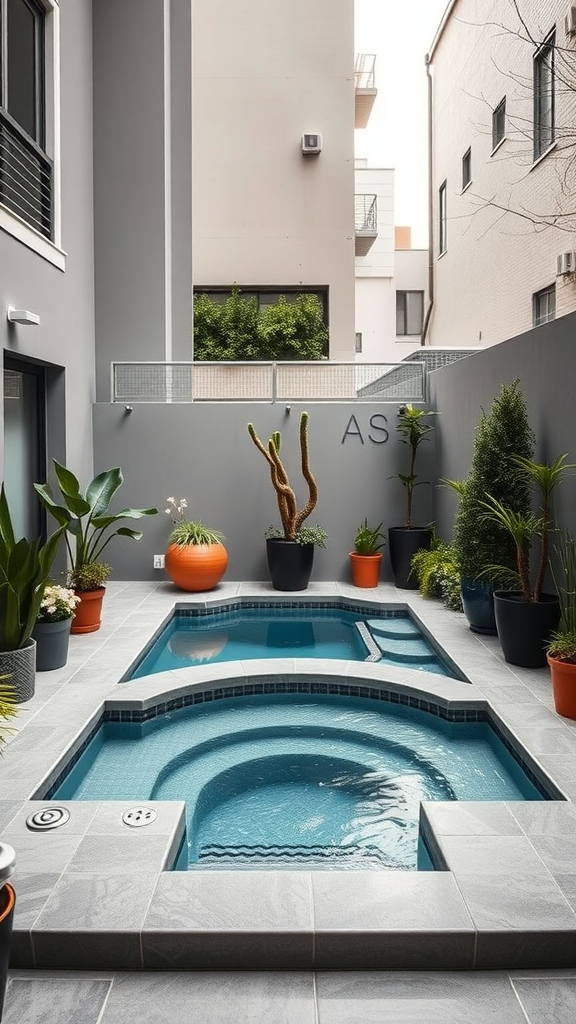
<point x="396" y="629"/>
<point x="232" y="857"/>
<point x="407" y="650"/>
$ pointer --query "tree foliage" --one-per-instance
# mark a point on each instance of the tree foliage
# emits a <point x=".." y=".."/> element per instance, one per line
<point x="239" y="330"/>
<point x="501" y="435"/>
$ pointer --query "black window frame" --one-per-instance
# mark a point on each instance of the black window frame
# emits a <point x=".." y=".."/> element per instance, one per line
<point x="220" y="294"/>
<point x="26" y="170"/>
<point x="467" y="168"/>
<point x="537" y="318"/>
<point x="544" y="126"/>
<point x="442" y="218"/>
<point x="402" y="298"/>
<point x="499" y="123"/>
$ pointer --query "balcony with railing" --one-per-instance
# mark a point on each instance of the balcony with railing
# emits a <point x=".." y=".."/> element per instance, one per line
<point x="365" y="91"/>
<point x="365" y="223"/>
<point x="25" y="176"/>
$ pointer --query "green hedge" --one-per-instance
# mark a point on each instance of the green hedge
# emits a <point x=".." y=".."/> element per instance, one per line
<point x="238" y="330"/>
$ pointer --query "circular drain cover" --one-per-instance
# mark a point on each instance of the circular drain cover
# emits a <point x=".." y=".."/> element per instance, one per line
<point x="138" y="816"/>
<point x="47" y="818"/>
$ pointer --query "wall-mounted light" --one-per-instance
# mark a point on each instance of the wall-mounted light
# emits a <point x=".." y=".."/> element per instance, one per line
<point x="128" y="409"/>
<point x="21" y="316"/>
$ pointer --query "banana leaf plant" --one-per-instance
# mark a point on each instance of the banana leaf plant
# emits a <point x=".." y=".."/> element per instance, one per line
<point x="88" y="524"/>
<point x="24" y="572"/>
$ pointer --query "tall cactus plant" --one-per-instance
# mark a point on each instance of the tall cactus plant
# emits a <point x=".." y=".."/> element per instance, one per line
<point x="291" y="518"/>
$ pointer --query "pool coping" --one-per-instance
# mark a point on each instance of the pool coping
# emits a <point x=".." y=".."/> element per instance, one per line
<point x="506" y="899"/>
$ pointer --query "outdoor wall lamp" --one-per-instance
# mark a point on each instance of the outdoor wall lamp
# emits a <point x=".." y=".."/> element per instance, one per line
<point x="128" y="409"/>
<point x="21" y="316"/>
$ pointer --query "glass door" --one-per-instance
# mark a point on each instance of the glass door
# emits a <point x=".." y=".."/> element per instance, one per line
<point x="24" y="444"/>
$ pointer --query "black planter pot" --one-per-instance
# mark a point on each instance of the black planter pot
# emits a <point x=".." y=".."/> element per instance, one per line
<point x="290" y="564"/>
<point x="524" y="627"/>
<point x="404" y="542"/>
<point x="478" y="605"/>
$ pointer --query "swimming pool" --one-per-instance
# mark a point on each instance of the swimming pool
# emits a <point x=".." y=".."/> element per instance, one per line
<point x="299" y="779"/>
<point x="311" y="630"/>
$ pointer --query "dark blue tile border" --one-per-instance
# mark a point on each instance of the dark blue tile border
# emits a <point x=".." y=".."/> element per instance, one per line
<point x="539" y="779"/>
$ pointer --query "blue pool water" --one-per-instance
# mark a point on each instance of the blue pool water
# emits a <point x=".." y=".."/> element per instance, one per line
<point x="298" y="779"/>
<point x="281" y="632"/>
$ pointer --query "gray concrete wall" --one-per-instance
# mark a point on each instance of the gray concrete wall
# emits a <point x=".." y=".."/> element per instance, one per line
<point x="64" y="300"/>
<point x="143" y="190"/>
<point x="203" y="452"/>
<point x="545" y="361"/>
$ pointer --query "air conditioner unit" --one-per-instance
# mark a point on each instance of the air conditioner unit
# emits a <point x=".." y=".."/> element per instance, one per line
<point x="311" y="144"/>
<point x="570" y="21"/>
<point x="566" y="263"/>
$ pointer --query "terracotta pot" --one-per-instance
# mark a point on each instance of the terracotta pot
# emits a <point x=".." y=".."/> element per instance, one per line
<point x="365" y="569"/>
<point x="7" y="902"/>
<point x="563" y="676"/>
<point x="88" y="614"/>
<point x="196" y="566"/>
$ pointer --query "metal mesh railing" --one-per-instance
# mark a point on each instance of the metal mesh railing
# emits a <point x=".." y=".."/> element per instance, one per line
<point x="321" y="381"/>
<point x="365" y="212"/>
<point x="365" y="71"/>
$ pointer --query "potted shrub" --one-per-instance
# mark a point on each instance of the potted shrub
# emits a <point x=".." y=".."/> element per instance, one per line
<point x="52" y="627"/>
<point x="89" y="527"/>
<point x="526" y="615"/>
<point x="24" y="572"/>
<point x="367" y="555"/>
<point x="290" y="551"/>
<point x="438" y="574"/>
<point x="195" y="558"/>
<point x="561" y="645"/>
<point x="405" y="540"/>
<point x="502" y="434"/>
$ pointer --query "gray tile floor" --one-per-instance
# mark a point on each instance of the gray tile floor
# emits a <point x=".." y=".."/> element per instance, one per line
<point x="65" y="698"/>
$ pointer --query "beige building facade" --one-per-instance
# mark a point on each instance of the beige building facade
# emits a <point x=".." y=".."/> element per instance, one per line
<point x="267" y="215"/>
<point x="503" y="99"/>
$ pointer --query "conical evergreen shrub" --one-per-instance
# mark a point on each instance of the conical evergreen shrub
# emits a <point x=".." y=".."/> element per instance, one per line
<point x="502" y="433"/>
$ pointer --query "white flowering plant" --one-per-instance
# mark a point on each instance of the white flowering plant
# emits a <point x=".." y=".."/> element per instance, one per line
<point x="184" y="531"/>
<point x="58" y="603"/>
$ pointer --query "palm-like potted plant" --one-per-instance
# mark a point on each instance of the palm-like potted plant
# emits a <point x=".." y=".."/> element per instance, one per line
<point x="24" y="572"/>
<point x="525" y="614"/>
<point x="196" y="558"/>
<point x="502" y="435"/>
<point x="367" y="555"/>
<point x="89" y="527"/>
<point x="413" y="428"/>
<point x="290" y="551"/>
<point x="561" y="645"/>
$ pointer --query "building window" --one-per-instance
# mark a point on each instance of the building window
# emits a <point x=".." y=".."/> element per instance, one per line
<point x="26" y="171"/>
<point x="442" y="218"/>
<point x="265" y="296"/>
<point x="409" y="312"/>
<point x="544" y="306"/>
<point x="358" y="341"/>
<point x="466" y="168"/>
<point x="544" y="96"/>
<point x="498" y="123"/>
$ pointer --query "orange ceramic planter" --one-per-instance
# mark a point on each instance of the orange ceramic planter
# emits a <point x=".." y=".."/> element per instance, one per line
<point x="88" y="614"/>
<point x="196" y="566"/>
<point x="563" y="675"/>
<point x="365" y="569"/>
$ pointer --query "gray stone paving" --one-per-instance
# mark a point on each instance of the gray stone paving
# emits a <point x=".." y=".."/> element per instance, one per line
<point x="534" y="882"/>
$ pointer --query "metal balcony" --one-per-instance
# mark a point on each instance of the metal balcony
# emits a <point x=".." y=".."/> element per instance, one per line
<point x="365" y="91"/>
<point x="365" y="223"/>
